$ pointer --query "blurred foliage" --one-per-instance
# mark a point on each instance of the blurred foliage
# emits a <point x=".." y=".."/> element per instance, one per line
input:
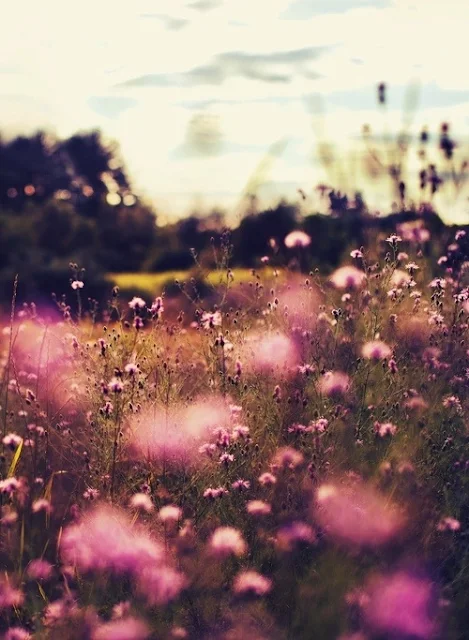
<point x="70" y="200"/>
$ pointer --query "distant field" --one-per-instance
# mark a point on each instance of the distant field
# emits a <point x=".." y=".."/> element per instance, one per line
<point x="155" y="282"/>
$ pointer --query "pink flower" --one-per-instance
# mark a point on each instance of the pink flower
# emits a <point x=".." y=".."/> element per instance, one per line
<point x="137" y="303"/>
<point x="449" y="524"/>
<point x="175" y="436"/>
<point x="129" y="628"/>
<point x="252" y="583"/>
<point x="357" y="515"/>
<point x="160" y="585"/>
<point x="293" y="534"/>
<point x="401" y="605"/>
<point x="226" y="541"/>
<point x="348" y="277"/>
<point x="39" y="570"/>
<point x="376" y="350"/>
<point x="334" y="384"/>
<point x="211" y="320"/>
<point x="384" y="429"/>
<point x="267" y="479"/>
<point x="271" y="352"/>
<point x="87" y="543"/>
<point x="170" y="513"/>
<point x="77" y="284"/>
<point x="17" y="633"/>
<point x="258" y="508"/>
<point x="9" y="596"/>
<point x="287" y="458"/>
<point x="142" y="502"/>
<point x="297" y="239"/>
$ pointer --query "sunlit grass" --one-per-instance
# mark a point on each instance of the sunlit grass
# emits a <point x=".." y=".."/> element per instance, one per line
<point x="153" y="283"/>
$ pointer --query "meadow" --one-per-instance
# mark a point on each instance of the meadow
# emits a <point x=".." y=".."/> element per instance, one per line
<point x="285" y="457"/>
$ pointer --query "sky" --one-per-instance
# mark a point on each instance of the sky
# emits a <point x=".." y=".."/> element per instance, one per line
<point x="201" y="93"/>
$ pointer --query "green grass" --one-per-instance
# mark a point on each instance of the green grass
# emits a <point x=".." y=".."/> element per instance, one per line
<point x="153" y="283"/>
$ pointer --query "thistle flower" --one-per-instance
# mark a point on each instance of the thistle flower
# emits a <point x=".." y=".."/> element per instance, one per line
<point x="290" y="535"/>
<point x="142" y="502"/>
<point x="160" y="585"/>
<point x="251" y="583"/>
<point x="401" y="605"/>
<point x="448" y="524"/>
<point x="39" y="570"/>
<point x="297" y="239"/>
<point x="376" y="350"/>
<point x="258" y="508"/>
<point x="128" y="628"/>
<point x="227" y="541"/>
<point x="86" y="544"/>
<point x="348" y="277"/>
<point x="334" y="384"/>
<point x="170" y="513"/>
<point x="357" y="514"/>
<point x="137" y="303"/>
<point x="267" y="479"/>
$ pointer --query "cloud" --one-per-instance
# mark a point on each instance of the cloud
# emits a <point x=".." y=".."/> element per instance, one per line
<point x="204" y="5"/>
<point x="276" y="67"/>
<point x="171" y="23"/>
<point x="306" y="9"/>
<point x="111" y="106"/>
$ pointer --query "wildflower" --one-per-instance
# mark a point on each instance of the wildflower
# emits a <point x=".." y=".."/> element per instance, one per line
<point x="39" y="570"/>
<point x="160" y="585"/>
<point x="293" y="534"/>
<point x="226" y="541"/>
<point x="297" y="239"/>
<point x="448" y="524"/>
<point x="356" y="254"/>
<point x="142" y="502"/>
<point x="348" y="277"/>
<point x="241" y="485"/>
<point x="438" y="283"/>
<point x="17" y="633"/>
<point x="10" y="485"/>
<point x="170" y="513"/>
<point x="240" y="432"/>
<point x="272" y="352"/>
<point x="226" y="458"/>
<point x="77" y="284"/>
<point x="138" y="323"/>
<point x="9" y="596"/>
<point x="86" y="544"/>
<point x="267" y="479"/>
<point x="318" y="426"/>
<point x="384" y="429"/>
<point x="115" y="385"/>
<point x="137" y="303"/>
<point x="265" y="259"/>
<point x="334" y="383"/>
<point x="213" y="494"/>
<point x="258" y="508"/>
<point x="157" y="307"/>
<point x="394" y="240"/>
<point x="400" y="605"/>
<point x="252" y="583"/>
<point x="211" y="320"/>
<point x="131" y="368"/>
<point x="12" y="441"/>
<point x="357" y="514"/>
<point x="376" y="350"/>
<point x="128" y="628"/>
<point x="287" y="457"/>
